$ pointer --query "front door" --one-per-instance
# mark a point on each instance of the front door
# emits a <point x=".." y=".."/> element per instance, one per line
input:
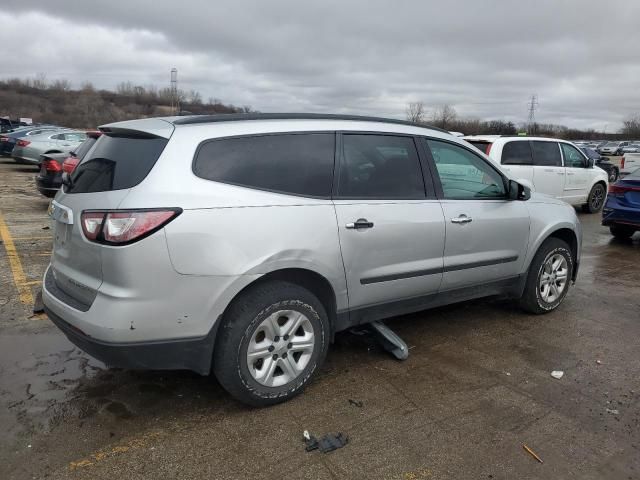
<point x="548" y="171"/>
<point x="486" y="234"/>
<point x="391" y="228"/>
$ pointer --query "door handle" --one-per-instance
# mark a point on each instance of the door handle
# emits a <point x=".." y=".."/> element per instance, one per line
<point x="548" y="169"/>
<point x="462" y="219"/>
<point x="570" y="173"/>
<point x="360" y="223"/>
<point x="559" y="173"/>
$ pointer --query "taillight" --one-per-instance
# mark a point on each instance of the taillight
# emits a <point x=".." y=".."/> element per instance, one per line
<point x="4" y="139"/>
<point x="489" y="148"/>
<point x="51" y="166"/>
<point x="122" y="227"/>
<point x="23" y="143"/>
<point x="620" y="190"/>
<point x="70" y="164"/>
<point x="622" y="164"/>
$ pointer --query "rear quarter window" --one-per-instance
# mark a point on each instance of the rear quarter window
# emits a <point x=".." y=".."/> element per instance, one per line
<point x="296" y="164"/>
<point x="116" y="162"/>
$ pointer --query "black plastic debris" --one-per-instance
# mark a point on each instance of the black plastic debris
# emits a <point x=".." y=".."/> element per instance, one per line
<point x="356" y="403"/>
<point x="38" y="306"/>
<point x="326" y="444"/>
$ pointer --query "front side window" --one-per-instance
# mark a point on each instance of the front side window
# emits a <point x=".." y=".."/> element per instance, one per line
<point x="380" y="167"/>
<point x="572" y="157"/>
<point x="297" y="164"/>
<point x="546" y="154"/>
<point x="517" y="153"/>
<point x="464" y="175"/>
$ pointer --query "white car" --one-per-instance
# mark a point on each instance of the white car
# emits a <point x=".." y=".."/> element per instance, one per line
<point x="555" y="167"/>
<point x="629" y="163"/>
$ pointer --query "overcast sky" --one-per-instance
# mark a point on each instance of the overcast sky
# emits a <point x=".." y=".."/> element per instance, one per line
<point x="486" y="58"/>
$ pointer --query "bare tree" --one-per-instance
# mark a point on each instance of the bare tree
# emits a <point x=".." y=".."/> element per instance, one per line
<point x="40" y="81"/>
<point x="631" y="126"/>
<point x="61" y="85"/>
<point x="415" y="112"/>
<point x="444" y="116"/>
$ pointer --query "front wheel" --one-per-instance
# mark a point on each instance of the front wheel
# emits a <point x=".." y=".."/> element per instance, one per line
<point x="274" y="338"/>
<point x="596" y="198"/>
<point x="549" y="277"/>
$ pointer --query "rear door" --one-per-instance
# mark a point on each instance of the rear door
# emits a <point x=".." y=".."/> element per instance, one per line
<point x="516" y="159"/>
<point x="548" y="171"/>
<point x="578" y="176"/>
<point x="486" y="234"/>
<point x="391" y="227"/>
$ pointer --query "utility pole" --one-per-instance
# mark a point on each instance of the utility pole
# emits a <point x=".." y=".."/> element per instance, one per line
<point x="175" y="107"/>
<point x="533" y="103"/>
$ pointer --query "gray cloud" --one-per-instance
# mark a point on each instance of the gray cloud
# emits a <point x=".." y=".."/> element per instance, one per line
<point x="369" y="57"/>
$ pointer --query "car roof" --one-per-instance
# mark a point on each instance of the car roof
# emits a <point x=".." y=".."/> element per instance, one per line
<point x="164" y="126"/>
<point x="493" y="138"/>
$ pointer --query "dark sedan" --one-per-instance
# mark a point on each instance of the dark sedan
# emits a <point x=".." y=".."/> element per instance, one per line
<point x="602" y="162"/>
<point x="53" y="165"/>
<point x="621" y="213"/>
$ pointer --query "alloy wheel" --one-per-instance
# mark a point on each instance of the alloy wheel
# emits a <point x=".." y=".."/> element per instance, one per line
<point x="553" y="278"/>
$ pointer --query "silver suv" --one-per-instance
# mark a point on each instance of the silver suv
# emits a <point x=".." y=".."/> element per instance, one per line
<point x="242" y="244"/>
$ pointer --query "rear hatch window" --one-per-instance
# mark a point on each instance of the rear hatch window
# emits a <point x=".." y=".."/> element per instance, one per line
<point x="116" y="162"/>
<point x="484" y="147"/>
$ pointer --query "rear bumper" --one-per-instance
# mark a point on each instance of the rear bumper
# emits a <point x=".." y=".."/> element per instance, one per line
<point x="186" y="354"/>
<point x="48" y="185"/>
<point x="615" y="213"/>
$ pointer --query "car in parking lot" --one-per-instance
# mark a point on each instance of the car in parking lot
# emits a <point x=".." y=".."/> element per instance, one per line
<point x="9" y="140"/>
<point x="240" y="244"/>
<point x="555" y="167"/>
<point x="621" y="213"/>
<point x="29" y="149"/>
<point x="602" y="162"/>
<point x="612" y="148"/>
<point x="54" y="165"/>
<point x="633" y="147"/>
<point x="629" y="163"/>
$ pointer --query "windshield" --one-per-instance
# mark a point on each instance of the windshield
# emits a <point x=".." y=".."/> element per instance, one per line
<point x="612" y="144"/>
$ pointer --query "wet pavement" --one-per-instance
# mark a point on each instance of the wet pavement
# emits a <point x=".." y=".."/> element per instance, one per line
<point x="476" y="387"/>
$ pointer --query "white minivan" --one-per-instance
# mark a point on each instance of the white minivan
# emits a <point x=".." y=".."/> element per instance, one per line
<point x="555" y="167"/>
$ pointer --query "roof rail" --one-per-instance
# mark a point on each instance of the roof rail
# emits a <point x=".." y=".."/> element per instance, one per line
<point x="236" y="117"/>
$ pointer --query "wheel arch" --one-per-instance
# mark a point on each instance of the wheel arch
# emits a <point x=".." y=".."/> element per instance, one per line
<point x="566" y="234"/>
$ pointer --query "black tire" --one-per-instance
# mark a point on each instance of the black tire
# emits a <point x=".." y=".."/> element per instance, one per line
<point x="532" y="300"/>
<point x="614" y="175"/>
<point x="240" y="322"/>
<point x="596" y="198"/>
<point x="622" y="232"/>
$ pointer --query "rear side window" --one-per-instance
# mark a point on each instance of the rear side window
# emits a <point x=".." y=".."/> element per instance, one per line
<point x="546" y="154"/>
<point x="484" y="147"/>
<point x="380" y="167"/>
<point x="84" y="147"/>
<point x="516" y="153"/>
<point x="116" y="162"/>
<point x="297" y="164"/>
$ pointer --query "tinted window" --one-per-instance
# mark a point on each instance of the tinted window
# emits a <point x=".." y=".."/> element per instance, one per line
<point x="546" y="153"/>
<point x="116" y="162"/>
<point x="591" y="153"/>
<point x="380" y="166"/>
<point x="484" y="147"/>
<point x="84" y="147"/>
<point x="517" y="153"/>
<point x="572" y="157"/>
<point x="464" y="175"/>
<point x="299" y="164"/>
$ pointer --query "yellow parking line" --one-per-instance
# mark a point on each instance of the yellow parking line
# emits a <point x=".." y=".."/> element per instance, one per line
<point x="19" y="277"/>
<point x="34" y="282"/>
<point x="34" y="237"/>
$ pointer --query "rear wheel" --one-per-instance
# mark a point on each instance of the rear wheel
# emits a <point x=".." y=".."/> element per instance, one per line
<point x="273" y="339"/>
<point x="596" y="198"/>
<point x="613" y="175"/>
<point x="549" y="277"/>
<point x="622" y="231"/>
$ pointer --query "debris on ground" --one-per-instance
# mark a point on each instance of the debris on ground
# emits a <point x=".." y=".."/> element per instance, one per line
<point x="326" y="444"/>
<point x="532" y="453"/>
<point x="599" y="362"/>
<point x="46" y="227"/>
<point x="612" y="411"/>
<point x="38" y="306"/>
<point x="356" y="403"/>
<point x="557" y="374"/>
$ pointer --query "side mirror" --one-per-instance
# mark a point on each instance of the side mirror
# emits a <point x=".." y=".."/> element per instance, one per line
<point x="590" y="162"/>
<point x="519" y="191"/>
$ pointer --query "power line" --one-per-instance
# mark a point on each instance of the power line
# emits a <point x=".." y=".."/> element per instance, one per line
<point x="533" y="103"/>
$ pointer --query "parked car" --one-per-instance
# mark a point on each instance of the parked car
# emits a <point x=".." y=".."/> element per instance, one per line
<point x="54" y="165"/>
<point x="612" y="148"/>
<point x="226" y="243"/>
<point x="602" y="162"/>
<point x="631" y="148"/>
<point x="29" y="149"/>
<point x="629" y="163"/>
<point x="9" y="140"/>
<point x="552" y="166"/>
<point x="621" y="213"/>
